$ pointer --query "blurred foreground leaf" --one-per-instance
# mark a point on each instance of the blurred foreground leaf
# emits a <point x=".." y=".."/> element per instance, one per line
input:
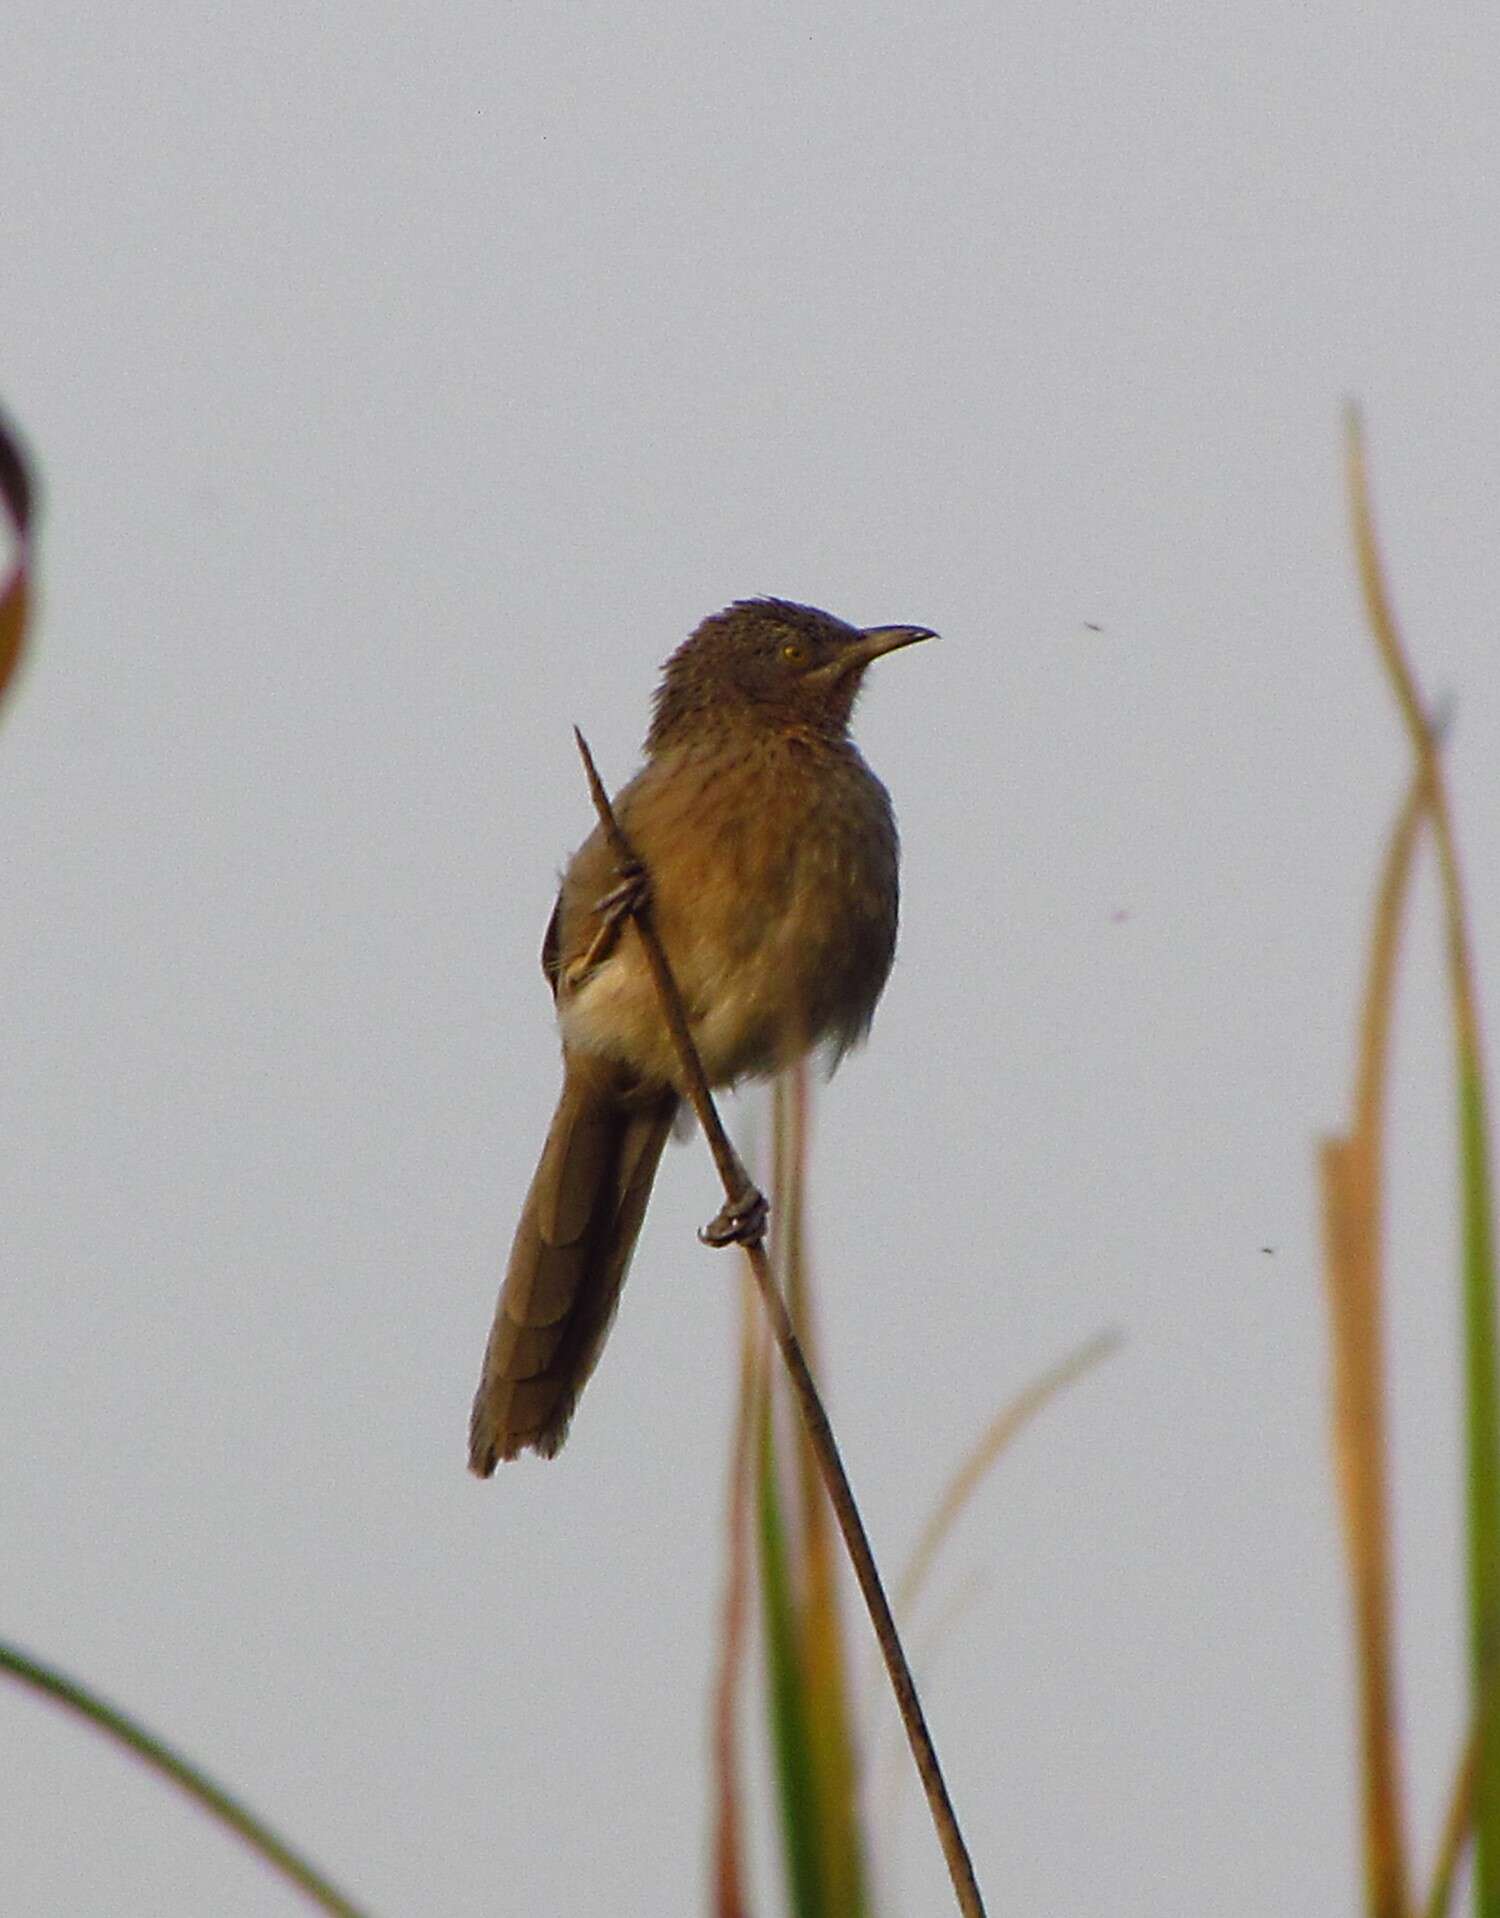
<point x="15" y="595"/>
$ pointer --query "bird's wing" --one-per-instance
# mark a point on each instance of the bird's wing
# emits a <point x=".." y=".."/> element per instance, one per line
<point x="552" y="947"/>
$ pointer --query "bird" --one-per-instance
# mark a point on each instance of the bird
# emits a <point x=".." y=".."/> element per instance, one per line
<point x="770" y="855"/>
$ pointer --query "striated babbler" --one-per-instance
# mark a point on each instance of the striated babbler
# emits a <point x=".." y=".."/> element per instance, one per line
<point x="771" y="857"/>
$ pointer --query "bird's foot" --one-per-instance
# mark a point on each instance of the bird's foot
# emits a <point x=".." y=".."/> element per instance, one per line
<point x="620" y="903"/>
<point x="630" y="896"/>
<point x="742" y="1220"/>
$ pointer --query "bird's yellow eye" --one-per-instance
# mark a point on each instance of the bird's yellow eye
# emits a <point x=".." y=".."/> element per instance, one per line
<point x="793" y="654"/>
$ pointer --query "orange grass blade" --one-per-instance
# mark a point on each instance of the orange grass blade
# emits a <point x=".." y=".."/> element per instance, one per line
<point x="1482" y="1411"/>
<point x="1350" y="1181"/>
<point x="15" y="597"/>
<point x="728" y="1848"/>
<point x="1456" y="1828"/>
<point x="1350" y="1169"/>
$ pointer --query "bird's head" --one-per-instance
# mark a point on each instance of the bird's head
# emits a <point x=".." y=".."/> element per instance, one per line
<point x="771" y="660"/>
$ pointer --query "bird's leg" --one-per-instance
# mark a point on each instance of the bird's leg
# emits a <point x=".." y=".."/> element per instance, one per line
<point x="628" y="896"/>
<point x="742" y="1219"/>
<point x="623" y="900"/>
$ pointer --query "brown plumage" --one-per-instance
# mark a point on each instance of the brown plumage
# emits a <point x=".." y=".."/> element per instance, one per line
<point x="772" y="856"/>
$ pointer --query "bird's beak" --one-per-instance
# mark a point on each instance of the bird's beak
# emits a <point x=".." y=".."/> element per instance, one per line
<point x="849" y="663"/>
<point x="875" y="641"/>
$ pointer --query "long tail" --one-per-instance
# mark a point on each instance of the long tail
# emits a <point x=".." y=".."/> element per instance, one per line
<point x="567" y="1263"/>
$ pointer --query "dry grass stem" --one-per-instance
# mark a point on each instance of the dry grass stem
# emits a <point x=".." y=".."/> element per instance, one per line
<point x="1456" y="1829"/>
<point x="1423" y="734"/>
<point x="1482" y="1361"/>
<point x="1007" y="1422"/>
<point x="728" y="1872"/>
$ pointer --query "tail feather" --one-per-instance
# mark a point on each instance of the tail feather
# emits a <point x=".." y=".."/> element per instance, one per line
<point x="567" y="1263"/>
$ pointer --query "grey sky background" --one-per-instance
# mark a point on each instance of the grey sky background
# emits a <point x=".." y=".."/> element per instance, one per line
<point x="405" y="384"/>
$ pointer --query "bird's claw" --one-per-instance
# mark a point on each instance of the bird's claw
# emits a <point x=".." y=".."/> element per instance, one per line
<point x="626" y="898"/>
<point x="620" y="903"/>
<point x="741" y="1221"/>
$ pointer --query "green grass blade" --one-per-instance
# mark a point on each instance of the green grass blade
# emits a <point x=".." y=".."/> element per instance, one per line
<point x="786" y="1693"/>
<point x="65" y="1691"/>
<point x="814" y="1562"/>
